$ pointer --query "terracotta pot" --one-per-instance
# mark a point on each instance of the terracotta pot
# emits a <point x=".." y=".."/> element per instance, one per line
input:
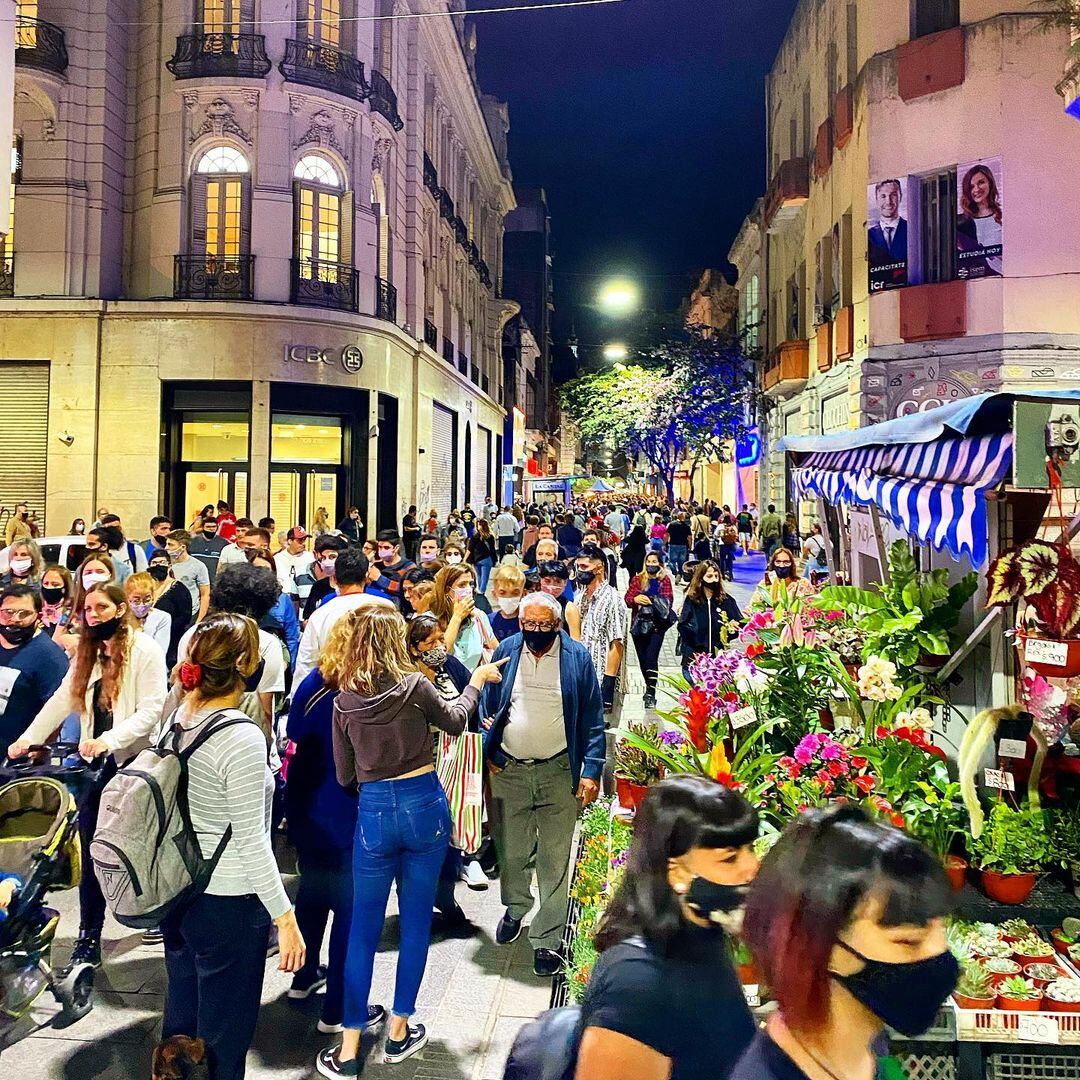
<point x="1053" y="1005"/>
<point x="1059" y="945"/>
<point x="966" y="1002"/>
<point x="1025" y="961"/>
<point x="1072" y="662"/>
<point x="956" y="868"/>
<point x="1008" y="888"/>
<point x="1041" y="981"/>
<point x="1008" y="1004"/>
<point x="630" y="794"/>
<point x="749" y="974"/>
<point x="998" y="977"/>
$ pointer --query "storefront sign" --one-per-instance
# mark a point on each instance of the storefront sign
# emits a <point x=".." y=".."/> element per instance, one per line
<point x="350" y="357"/>
<point x="836" y="414"/>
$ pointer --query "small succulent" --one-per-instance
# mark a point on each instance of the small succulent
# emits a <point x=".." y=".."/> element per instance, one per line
<point x="975" y="981"/>
<point x="995" y="948"/>
<point x="1018" y="988"/>
<point x="1016" y="928"/>
<point x="1064" y="990"/>
<point x="1033" y="945"/>
<point x="1045" y="972"/>
<point x="1001" y="965"/>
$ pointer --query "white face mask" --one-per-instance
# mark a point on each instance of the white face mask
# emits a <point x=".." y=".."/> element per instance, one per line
<point x="20" y="566"/>
<point x="463" y="593"/>
<point x="327" y="566"/>
<point x="93" y="577"/>
<point x="453" y="560"/>
<point x="509" y="604"/>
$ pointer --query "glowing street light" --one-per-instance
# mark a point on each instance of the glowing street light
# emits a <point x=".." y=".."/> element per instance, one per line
<point x="615" y="353"/>
<point x="618" y="297"/>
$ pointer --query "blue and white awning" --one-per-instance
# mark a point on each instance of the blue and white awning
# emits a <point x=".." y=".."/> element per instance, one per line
<point x="935" y="491"/>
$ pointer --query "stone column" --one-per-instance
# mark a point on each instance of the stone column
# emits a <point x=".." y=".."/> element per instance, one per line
<point x="259" y="461"/>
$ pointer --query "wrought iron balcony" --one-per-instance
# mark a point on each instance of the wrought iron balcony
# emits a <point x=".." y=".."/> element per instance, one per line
<point x="383" y="100"/>
<point x="40" y="45"/>
<point x="448" y="350"/>
<point x="474" y="254"/>
<point x="446" y="204"/>
<point x="324" y="284"/>
<point x="431" y="335"/>
<point x="211" y="55"/>
<point x="485" y="275"/>
<point x="385" y="301"/>
<point x="213" y="277"/>
<point x="485" y="384"/>
<point x="431" y="177"/>
<point x="474" y="374"/>
<point x="7" y="277"/>
<point x="461" y="233"/>
<point x="313" y="64"/>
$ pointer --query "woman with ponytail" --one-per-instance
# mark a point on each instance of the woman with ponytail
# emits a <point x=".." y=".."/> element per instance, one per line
<point x="116" y="685"/>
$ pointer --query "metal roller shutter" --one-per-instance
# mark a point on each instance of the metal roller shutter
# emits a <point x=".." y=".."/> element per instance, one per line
<point x="481" y="467"/>
<point x="443" y="459"/>
<point x="24" y="432"/>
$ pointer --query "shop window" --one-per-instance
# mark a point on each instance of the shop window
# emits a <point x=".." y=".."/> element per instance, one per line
<point x="935" y="259"/>
<point x="933" y="16"/>
<point x="315" y="440"/>
<point x="214" y="437"/>
<point x="322" y="229"/>
<point x="221" y="205"/>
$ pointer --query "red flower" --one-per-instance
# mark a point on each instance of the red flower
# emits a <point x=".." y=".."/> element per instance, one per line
<point x="795" y="771"/>
<point x="936" y="751"/>
<point x="835" y="768"/>
<point x="859" y="762"/>
<point x="881" y="732"/>
<point x="755" y="650"/>
<point x="698" y="709"/>
<point x="865" y="784"/>
<point x="902" y="733"/>
<point x="897" y="820"/>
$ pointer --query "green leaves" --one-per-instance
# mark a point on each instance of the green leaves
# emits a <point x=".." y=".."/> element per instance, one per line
<point x="848" y="598"/>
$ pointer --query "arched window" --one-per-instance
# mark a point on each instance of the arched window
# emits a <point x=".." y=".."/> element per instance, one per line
<point x="221" y="204"/>
<point x="323" y="218"/>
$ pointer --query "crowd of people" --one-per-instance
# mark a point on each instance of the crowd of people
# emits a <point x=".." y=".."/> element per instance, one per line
<point x="306" y="672"/>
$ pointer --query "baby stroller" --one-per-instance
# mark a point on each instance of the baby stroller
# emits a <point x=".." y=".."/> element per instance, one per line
<point x="39" y="842"/>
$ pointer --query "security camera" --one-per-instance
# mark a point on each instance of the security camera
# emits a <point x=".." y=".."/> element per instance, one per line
<point x="66" y="438"/>
<point x="1063" y="430"/>
<point x="421" y="450"/>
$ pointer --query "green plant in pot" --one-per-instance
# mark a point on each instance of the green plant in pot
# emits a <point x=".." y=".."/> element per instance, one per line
<point x="1065" y="835"/>
<point x="1011" y="851"/>
<point x="974" y="989"/>
<point x="635" y="768"/>
<point x="1018" y="994"/>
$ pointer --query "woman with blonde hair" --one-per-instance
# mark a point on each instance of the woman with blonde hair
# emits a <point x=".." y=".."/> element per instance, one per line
<point x="321" y="523"/>
<point x="215" y="946"/>
<point x="382" y="716"/>
<point x="117" y="686"/>
<point x="468" y="632"/>
<point x="24" y="565"/>
<point x="139" y="590"/>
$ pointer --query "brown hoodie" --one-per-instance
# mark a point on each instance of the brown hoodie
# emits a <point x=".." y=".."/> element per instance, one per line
<point x="386" y="735"/>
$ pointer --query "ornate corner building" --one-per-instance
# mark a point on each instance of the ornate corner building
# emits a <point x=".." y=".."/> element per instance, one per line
<point x="254" y="254"/>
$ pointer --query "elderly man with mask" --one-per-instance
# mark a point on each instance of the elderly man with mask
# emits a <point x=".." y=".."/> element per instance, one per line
<point x="545" y="746"/>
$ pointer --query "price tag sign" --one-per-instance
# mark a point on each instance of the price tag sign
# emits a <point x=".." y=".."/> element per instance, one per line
<point x="1012" y="748"/>
<point x="743" y="718"/>
<point x="1001" y="779"/>
<point x="1036" y="1028"/>
<point x="1051" y="653"/>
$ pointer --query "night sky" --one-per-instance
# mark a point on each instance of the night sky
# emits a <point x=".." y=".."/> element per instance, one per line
<point x="645" y="123"/>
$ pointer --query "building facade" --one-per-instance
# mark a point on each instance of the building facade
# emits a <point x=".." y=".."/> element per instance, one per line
<point x="916" y="241"/>
<point x="255" y="255"/>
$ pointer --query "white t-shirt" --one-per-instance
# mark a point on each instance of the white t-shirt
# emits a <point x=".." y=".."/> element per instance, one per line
<point x="271" y="653"/>
<point x="317" y="632"/>
<point x="232" y="555"/>
<point x="291" y="567"/>
<point x="535" y="728"/>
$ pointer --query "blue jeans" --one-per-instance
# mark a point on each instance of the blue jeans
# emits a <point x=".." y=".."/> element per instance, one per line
<point x="483" y="572"/>
<point x="402" y="830"/>
<point x="677" y="556"/>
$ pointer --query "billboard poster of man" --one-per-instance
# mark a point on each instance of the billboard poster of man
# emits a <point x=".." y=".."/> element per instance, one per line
<point x="887" y="235"/>
<point x="980" y="250"/>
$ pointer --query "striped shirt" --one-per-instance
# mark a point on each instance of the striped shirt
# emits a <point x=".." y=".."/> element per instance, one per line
<point x="231" y="784"/>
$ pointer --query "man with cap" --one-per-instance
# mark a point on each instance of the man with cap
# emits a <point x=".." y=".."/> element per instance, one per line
<point x="294" y="565"/>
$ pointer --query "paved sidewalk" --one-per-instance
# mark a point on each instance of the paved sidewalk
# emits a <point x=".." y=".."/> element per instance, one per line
<point x="475" y="996"/>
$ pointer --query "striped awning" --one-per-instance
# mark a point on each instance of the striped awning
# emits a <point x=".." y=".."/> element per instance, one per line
<point x="935" y="491"/>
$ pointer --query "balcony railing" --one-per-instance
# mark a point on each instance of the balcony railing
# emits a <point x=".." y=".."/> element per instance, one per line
<point x="212" y="55"/>
<point x="446" y="204"/>
<point x="385" y="301"/>
<point x="383" y="99"/>
<point x="462" y="362"/>
<point x="7" y="277"/>
<point x="431" y="177"/>
<point x="787" y="368"/>
<point x="324" y="284"/>
<point x="474" y="255"/>
<point x="313" y="64"/>
<point x="431" y="335"/>
<point x="40" y="45"/>
<point x="213" y="277"/>
<point x="448" y="350"/>
<point x="485" y="274"/>
<point x="461" y="233"/>
<point x="788" y="192"/>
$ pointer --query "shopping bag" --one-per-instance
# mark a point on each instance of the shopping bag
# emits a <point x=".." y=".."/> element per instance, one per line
<point x="460" y="769"/>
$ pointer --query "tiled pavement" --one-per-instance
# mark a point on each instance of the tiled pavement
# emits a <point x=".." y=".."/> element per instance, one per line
<point x="475" y="996"/>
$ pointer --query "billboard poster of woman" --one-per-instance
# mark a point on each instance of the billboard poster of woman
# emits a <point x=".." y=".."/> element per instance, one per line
<point x="979" y="224"/>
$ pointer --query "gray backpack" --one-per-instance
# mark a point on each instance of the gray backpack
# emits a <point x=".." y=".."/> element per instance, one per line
<point x="146" y="855"/>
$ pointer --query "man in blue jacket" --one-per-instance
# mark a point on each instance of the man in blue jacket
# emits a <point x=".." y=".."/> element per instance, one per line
<point x="545" y="747"/>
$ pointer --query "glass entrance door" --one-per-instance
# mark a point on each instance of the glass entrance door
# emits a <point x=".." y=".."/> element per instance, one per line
<point x="205" y="484"/>
<point x="306" y="472"/>
<point x="296" y="494"/>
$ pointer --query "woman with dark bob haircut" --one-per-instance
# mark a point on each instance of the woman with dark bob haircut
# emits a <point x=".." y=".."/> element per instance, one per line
<point x="664" y="999"/>
<point x="846" y="921"/>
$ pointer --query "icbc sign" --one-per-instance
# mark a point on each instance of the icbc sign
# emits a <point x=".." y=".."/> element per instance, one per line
<point x="350" y="357"/>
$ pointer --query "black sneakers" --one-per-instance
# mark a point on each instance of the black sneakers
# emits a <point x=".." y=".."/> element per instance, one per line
<point x="329" y="1064"/>
<point x="415" y="1039"/>
<point x="508" y="930"/>
<point x="303" y="986"/>
<point x="546" y="963"/>
<point x="87" y="948"/>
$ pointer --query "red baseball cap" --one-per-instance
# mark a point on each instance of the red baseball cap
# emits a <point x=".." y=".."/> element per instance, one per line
<point x="297" y="532"/>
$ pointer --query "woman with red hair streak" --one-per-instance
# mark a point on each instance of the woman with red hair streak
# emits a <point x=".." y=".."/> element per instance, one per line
<point x="846" y="920"/>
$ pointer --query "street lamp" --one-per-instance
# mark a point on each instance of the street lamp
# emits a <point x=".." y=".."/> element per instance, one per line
<point x="618" y="297"/>
<point x="615" y="353"/>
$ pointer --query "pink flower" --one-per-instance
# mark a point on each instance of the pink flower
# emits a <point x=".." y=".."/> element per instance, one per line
<point x="803" y="754"/>
<point x="834" y="615"/>
<point x="831" y="752"/>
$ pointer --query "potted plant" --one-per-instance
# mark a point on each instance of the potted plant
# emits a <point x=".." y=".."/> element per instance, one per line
<point x="1042" y="975"/>
<point x="1012" y="930"/>
<point x="992" y="948"/>
<point x="1012" y="849"/>
<point x="1032" y="949"/>
<point x="1063" y="995"/>
<point x="1000" y="968"/>
<point x="635" y="769"/>
<point x="1017" y="994"/>
<point x="1047" y="577"/>
<point x="1065" y="833"/>
<point x="1065" y="935"/>
<point x="974" y="989"/>
<point x="744" y="964"/>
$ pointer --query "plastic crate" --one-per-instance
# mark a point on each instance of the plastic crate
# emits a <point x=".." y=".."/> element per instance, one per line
<point x="1021" y="1066"/>
<point x="1003" y="1026"/>
<point x="935" y="1066"/>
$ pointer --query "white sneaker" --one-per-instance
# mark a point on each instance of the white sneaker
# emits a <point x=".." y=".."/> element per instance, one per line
<point x="472" y="873"/>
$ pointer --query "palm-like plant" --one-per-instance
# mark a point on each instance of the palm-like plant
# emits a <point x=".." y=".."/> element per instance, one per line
<point x="1064" y="14"/>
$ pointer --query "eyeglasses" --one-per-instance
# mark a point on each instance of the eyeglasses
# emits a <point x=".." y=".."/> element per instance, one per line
<point x="17" y="616"/>
<point x="543" y="627"/>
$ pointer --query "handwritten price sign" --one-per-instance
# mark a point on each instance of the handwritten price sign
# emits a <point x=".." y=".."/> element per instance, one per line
<point x="1000" y="779"/>
<point x="1051" y="653"/>
<point x="1033" y="1027"/>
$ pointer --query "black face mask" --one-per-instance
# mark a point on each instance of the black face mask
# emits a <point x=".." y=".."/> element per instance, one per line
<point x="783" y="571"/>
<point x="539" y="641"/>
<point x="585" y="577"/>
<point x="251" y="683"/>
<point x="18" y="635"/>
<point x="102" y="631"/>
<point x="905" y="996"/>
<point x="209" y="533"/>
<point x="159" y="572"/>
<point x="652" y="571"/>
<point x="52" y="594"/>
<point x="709" y="899"/>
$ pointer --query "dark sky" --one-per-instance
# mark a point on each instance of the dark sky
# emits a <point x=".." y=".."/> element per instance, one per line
<point x="645" y="123"/>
